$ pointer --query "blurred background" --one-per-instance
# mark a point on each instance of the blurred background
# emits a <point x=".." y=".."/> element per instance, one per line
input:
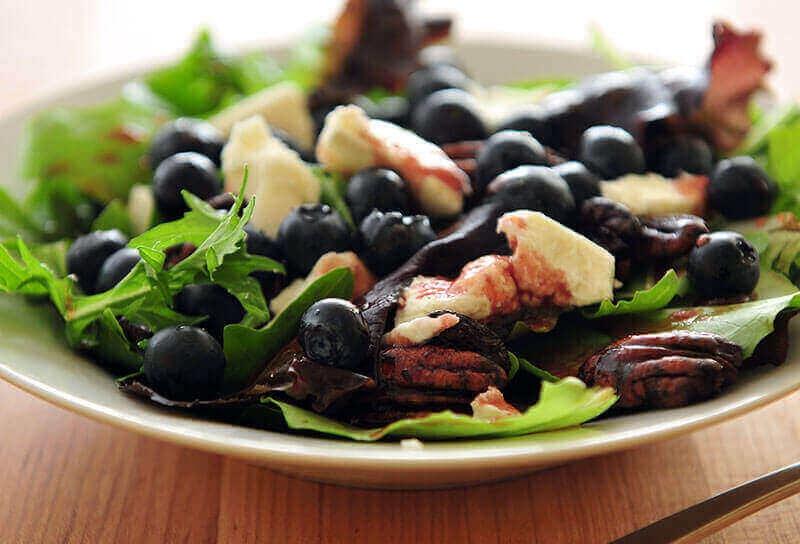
<point x="46" y="43"/>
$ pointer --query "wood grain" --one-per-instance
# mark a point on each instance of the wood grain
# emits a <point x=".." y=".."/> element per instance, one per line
<point x="64" y="478"/>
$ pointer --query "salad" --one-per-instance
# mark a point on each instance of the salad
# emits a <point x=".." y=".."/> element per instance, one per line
<point x="364" y="241"/>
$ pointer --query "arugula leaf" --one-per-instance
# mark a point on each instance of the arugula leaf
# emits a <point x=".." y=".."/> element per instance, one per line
<point x="248" y="350"/>
<point x="562" y="404"/>
<point x="52" y="254"/>
<point x="114" y="216"/>
<point x="97" y="150"/>
<point x="333" y="188"/>
<point x="145" y="294"/>
<point x="28" y="276"/>
<point x="657" y="296"/>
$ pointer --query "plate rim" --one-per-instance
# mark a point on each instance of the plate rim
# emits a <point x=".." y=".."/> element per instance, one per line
<point x="365" y="454"/>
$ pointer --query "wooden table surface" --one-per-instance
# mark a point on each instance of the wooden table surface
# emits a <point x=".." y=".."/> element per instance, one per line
<point x="64" y="478"/>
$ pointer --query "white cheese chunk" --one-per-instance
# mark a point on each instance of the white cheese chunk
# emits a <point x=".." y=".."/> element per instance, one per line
<point x="283" y="105"/>
<point x="552" y="262"/>
<point x="278" y="178"/>
<point x="551" y="265"/>
<point x="419" y="330"/>
<point x="652" y="194"/>
<point x="350" y="141"/>
<point x="363" y="280"/>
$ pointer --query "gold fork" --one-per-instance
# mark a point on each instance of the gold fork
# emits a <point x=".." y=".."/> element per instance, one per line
<point x="720" y="511"/>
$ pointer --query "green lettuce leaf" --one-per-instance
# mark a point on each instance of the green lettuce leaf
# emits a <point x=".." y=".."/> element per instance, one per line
<point x="657" y="296"/>
<point x="562" y="404"/>
<point x="96" y="150"/>
<point x="248" y="350"/>
<point x="198" y="83"/>
<point x="745" y="324"/>
<point x="544" y="84"/>
<point x="764" y="121"/>
<point x="205" y="80"/>
<point x="307" y="58"/>
<point x="15" y="220"/>
<point x="779" y="250"/>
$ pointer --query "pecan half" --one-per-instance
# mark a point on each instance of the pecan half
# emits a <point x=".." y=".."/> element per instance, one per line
<point x="664" y="370"/>
<point x="444" y="372"/>
<point x="638" y="240"/>
<point x="670" y="237"/>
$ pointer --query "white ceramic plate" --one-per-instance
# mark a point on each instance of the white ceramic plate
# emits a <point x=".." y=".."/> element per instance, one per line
<point x="34" y="357"/>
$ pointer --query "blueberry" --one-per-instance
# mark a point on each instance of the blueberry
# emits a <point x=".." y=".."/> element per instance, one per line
<point x="582" y="184"/>
<point x="723" y="264"/>
<point x="115" y="268"/>
<point x="210" y="300"/>
<point x="376" y="189"/>
<point x="533" y="121"/>
<point x="506" y="150"/>
<point x="610" y="152"/>
<point x="740" y="189"/>
<point x="391" y="238"/>
<point x="310" y="231"/>
<point x="185" y="134"/>
<point x="536" y="188"/>
<point x="333" y="332"/>
<point x="426" y="81"/>
<point x="190" y="171"/>
<point x="259" y="243"/>
<point x="682" y="154"/>
<point x="184" y="363"/>
<point x="88" y="253"/>
<point x="448" y="116"/>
